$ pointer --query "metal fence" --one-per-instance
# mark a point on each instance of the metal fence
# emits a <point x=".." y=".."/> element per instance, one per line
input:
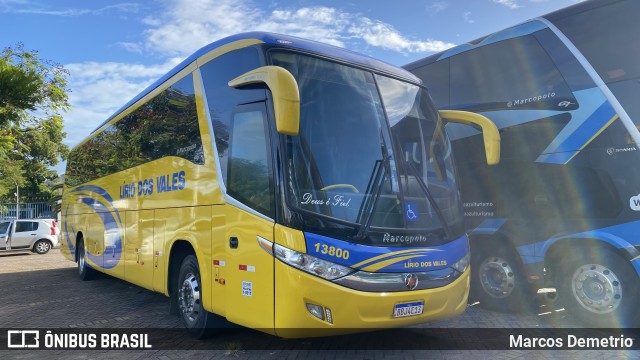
<point x="30" y="210"/>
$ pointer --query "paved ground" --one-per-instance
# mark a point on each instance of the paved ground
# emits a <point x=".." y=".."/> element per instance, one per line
<point x="42" y="291"/>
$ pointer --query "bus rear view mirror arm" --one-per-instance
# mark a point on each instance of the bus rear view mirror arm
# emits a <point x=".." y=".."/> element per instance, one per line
<point x="286" y="97"/>
<point x="490" y="132"/>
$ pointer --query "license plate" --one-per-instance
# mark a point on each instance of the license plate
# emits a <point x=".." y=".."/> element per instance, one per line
<point x="408" y="309"/>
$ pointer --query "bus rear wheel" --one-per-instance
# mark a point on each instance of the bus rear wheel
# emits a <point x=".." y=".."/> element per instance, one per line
<point x="498" y="281"/>
<point x="199" y="322"/>
<point x="600" y="289"/>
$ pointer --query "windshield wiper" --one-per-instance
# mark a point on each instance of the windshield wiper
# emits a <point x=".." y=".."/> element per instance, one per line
<point x="368" y="208"/>
<point x="375" y="185"/>
<point x="425" y="189"/>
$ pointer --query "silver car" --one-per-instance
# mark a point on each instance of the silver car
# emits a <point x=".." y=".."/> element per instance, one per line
<point x="36" y="235"/>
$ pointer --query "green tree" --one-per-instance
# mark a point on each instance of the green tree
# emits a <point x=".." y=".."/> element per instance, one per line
<point x="33" y="94"/>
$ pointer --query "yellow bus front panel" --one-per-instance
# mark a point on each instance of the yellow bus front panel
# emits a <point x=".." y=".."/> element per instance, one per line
<point x="248" y="273"/>
<point x="352" y="310"/>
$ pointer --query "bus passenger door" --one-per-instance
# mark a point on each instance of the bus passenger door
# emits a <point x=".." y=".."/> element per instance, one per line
<point x="249" y="210"/>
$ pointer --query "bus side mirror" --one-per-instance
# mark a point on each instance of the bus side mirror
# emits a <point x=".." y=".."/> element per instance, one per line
<point x="490" y="132"/>
<point x="286" y="97"/>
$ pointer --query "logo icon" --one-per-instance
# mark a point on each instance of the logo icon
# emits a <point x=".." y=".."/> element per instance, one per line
<point x="411" y="281"/>
<point x="565" y="104"/>
<point x="23" y="339"/>
<point x="634" y="202"/>
<point x="610" y="151"/>
<point x="411" y="214"/>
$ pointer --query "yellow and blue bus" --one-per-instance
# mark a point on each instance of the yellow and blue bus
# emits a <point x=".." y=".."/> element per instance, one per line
<point x="562" y="209"/>
<point x="280" y="184"/>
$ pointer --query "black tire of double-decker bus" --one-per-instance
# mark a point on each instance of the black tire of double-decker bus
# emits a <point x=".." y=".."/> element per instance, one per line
<point x="498" y="280"/>
<point x="199" y="322"/>
<point x="599" y="288"/>
<point x="84" y="271"/>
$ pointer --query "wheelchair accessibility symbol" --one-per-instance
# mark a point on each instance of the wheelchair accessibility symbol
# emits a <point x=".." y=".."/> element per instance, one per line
<point x="411" y="211"/>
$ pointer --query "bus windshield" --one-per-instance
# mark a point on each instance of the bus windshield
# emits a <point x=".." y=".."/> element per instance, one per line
<point x="364" y="156"/>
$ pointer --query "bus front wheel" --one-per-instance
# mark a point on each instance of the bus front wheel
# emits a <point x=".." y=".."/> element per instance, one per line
<point x="600" y="289"/>
<point x="199" y="322"/>
<point x="498" y="281"/>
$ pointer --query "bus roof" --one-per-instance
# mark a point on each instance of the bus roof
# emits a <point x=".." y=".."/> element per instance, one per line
<point x="284" y="41"/>
<point x="510" y="32"/>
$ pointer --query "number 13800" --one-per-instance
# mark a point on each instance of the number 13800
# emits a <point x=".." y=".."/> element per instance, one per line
<point x="332" y="251"/>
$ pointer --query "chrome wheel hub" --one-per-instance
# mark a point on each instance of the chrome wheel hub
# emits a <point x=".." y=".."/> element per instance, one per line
<point x="42" y="247"/>
<point x="189" y="298"/>
<point x="596" y="288"/>
<point x="496" y="277"/>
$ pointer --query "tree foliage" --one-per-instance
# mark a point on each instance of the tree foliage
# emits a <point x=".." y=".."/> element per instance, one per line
<point x="33" y="94"/>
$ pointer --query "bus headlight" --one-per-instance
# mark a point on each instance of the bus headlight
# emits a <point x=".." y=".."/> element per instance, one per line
<point x="462" y="264"/>
<point x="311" y="264"/>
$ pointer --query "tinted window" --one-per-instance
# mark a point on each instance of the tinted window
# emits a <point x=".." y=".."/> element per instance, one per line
<point x="249" y="170"/>
<point x="223" y="99"/>
<point x="4" y="226"/>
<point x="607" y="37"/>
<point x="24" y="226"/>
<point x="628" y="92"/>
<point x="425" y="150"/>
<point x="333" y="161"/>
<point x="510" y="74"/>
<point x="540" y="191"/>
<point x="572" y="71"/>
<point x="436" y="78"/>
<point x="167" y="125"/>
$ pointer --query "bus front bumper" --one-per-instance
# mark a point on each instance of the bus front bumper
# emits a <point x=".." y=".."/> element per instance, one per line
<point x="348" y="311"/>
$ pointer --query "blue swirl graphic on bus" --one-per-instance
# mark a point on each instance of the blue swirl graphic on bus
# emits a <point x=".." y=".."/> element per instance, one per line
<point x="65" y="225"/>
<point x="101" y="202"/>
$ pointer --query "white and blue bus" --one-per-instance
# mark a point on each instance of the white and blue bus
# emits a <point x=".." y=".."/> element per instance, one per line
<point x="563" y="204"/>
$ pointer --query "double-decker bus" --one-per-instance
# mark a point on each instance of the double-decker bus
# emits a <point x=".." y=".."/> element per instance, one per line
<point x="562" y="209"/>
<point x="280" y="184"/>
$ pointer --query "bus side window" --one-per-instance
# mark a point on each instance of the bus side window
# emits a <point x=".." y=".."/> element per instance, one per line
<point x="436" y="78"/>
<point x="250" y="172"/>
<point x="222" y="99"/>
<point x="166" y="125"/>
<point x="513" y="74"/>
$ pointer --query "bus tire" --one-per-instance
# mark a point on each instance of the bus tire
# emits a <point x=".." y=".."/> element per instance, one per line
<point x="498" y="280"/>
<point x="85" y="272"/>
<point x="199" y="322"/>
<point x="600" y="289"/>
<point x="41" y="247"/>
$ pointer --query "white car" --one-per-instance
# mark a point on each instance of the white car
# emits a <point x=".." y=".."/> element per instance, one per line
<point x="52" y="222"/>
<point x="36" y="235"/>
